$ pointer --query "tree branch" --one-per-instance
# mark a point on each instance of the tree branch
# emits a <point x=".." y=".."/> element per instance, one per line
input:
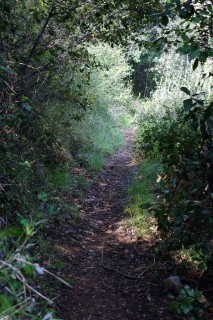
<point x="51" y="14"/>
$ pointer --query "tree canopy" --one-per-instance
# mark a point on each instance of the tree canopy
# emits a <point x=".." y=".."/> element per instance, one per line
<point x="67" y="69"/>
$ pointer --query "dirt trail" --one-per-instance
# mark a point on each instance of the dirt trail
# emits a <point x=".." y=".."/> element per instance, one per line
<point x="112" y="271"/>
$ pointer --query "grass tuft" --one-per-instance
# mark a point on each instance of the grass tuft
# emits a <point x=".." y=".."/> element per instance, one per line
<point x="141" y="197"/>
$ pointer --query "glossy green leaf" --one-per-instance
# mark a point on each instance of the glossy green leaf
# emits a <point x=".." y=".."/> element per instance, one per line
<point x="186" y="308"/>
<point x="165" y="20"/>
<point x="209" y="7"/>
<point x="203" y="56"/>
<point x="185" y="90"/>
<point x="187" y="104"/>
<point x="209" y="52"/>
<point x="194" y="54"/>
<point x="195" y="64"/>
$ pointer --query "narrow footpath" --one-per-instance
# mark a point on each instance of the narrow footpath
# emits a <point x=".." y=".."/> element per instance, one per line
<point x="115" y="276"/>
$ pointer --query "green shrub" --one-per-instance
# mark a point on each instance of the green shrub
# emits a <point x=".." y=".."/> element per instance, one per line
<point x="73" y="123"/>
<point x="182" y="137"/>
<point x="20" y="293"/>
<point x="189" y="304"/>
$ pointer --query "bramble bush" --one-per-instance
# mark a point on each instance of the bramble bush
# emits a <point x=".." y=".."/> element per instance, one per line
<point x="182" y="136"/>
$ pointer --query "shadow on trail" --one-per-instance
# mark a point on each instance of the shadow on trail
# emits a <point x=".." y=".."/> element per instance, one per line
<point x="115" y="277"/>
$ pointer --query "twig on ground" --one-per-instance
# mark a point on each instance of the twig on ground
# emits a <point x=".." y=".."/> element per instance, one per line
<point x="121" y="273"/>
<point x="148" y="267"/>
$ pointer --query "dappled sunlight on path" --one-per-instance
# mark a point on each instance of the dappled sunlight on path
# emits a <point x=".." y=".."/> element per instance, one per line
<point x="112" y="272"/>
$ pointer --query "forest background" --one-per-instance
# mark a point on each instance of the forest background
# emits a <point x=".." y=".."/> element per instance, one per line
<point x="72" y="75"/>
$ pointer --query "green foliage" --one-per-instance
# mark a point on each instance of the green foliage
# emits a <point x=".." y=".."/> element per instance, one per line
<point x="42" y="147"/>
<point x="142" y="198"/>
<point x="189" y="29"/>
<point x="19" y="295"/>
<point x="60" y="178"/>
<point x="62" y="95"/>
<point x="183" y="138"/>
<point x="189" y="304"/>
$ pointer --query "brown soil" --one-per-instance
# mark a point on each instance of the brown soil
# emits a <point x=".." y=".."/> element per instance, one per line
<point x="116" y="276"/>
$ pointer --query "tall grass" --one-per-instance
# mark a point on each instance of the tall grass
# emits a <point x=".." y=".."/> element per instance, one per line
<point x="142" y="197"/>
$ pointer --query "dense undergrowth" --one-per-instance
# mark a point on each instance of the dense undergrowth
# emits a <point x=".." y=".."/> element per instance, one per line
<point x="172" y="197"/>
<point x="65" y="97"/>
<point x="47" y="163"/>
<point x="181" y="137"/>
